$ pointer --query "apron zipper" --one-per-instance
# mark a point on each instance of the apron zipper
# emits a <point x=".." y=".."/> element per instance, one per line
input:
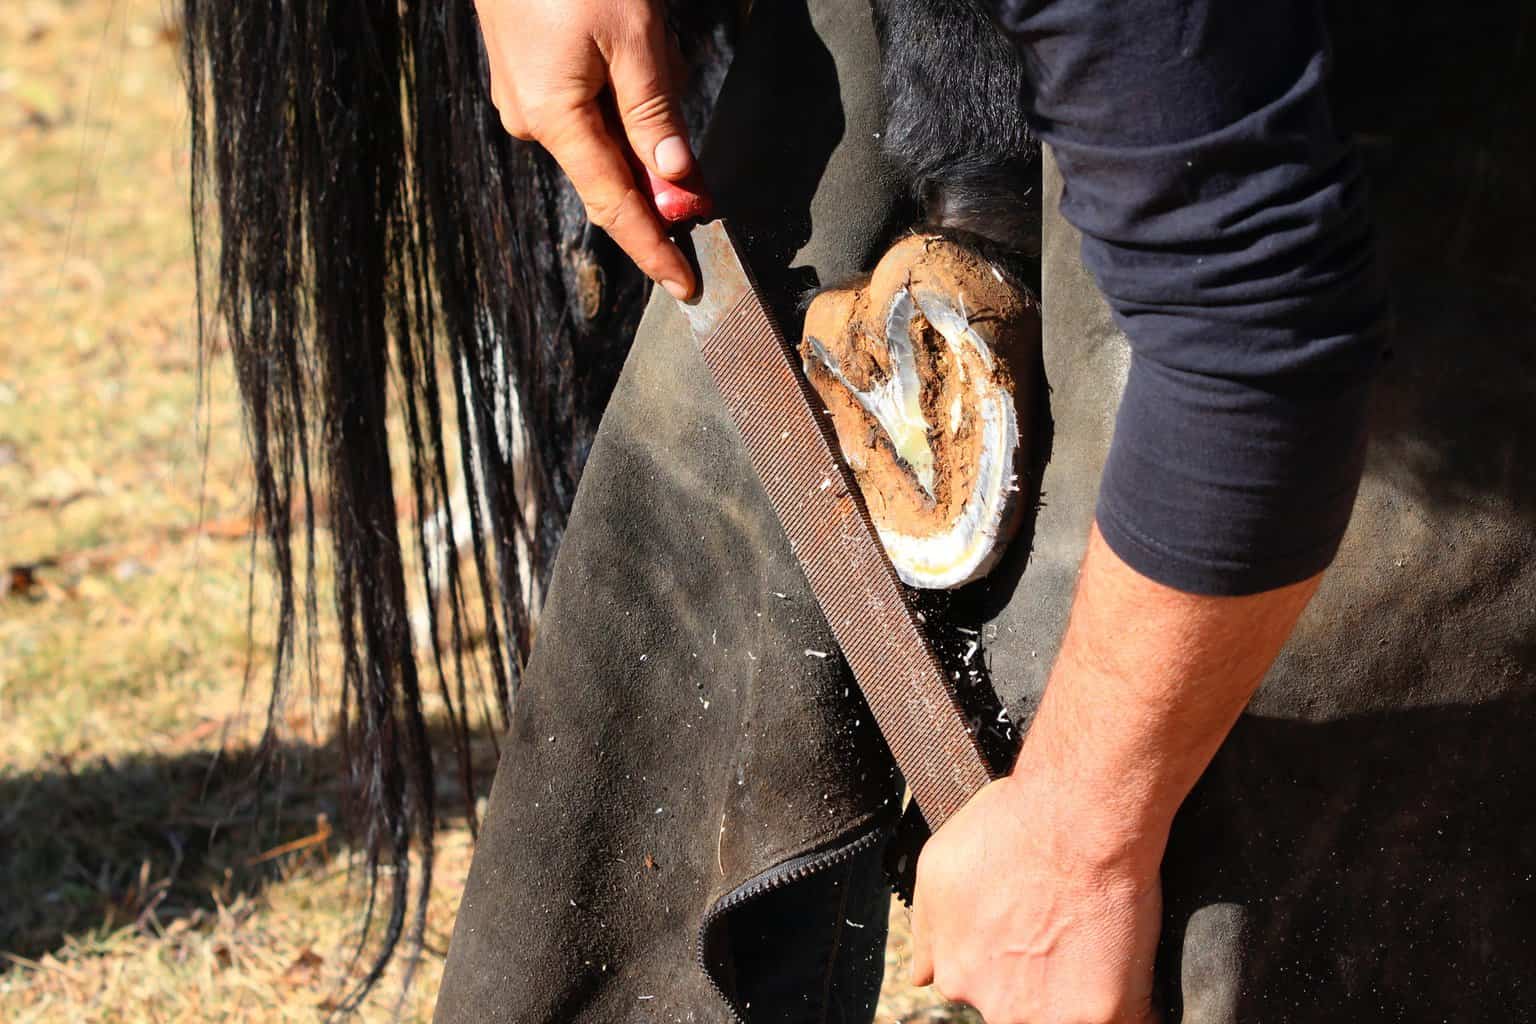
<point x="793" y="870"/>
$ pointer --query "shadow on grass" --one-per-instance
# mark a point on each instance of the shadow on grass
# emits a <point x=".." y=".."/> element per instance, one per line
<point x="151" y="838"/>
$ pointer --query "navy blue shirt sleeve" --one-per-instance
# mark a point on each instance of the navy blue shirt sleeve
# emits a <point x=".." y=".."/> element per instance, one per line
<point x="1225" y="220"/>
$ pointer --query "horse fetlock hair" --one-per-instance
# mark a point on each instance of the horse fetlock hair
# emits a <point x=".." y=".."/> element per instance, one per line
<point x="955" y="118"/>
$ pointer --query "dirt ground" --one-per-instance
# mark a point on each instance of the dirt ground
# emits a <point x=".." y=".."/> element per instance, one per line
<point x="147" y="872"/>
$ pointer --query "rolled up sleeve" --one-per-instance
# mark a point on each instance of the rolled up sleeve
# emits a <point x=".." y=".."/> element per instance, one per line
<point x="1226" y="222"/>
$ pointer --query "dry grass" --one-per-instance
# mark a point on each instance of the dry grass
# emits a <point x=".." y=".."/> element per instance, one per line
<point x="140" y="879"/>
<point x="133" y="885"/>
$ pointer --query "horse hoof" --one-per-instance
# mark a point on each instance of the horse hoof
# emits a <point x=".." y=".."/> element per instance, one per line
<point x="921" y="369"/>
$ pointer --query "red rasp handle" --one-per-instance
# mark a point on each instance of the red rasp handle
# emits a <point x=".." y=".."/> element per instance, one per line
<point x="679" y="201"/>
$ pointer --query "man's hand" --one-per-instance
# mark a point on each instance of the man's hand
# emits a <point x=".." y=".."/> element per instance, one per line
<point x="1032" y="918"/>
<point x="1039" y="902"/>
<point x="592" y="82"/>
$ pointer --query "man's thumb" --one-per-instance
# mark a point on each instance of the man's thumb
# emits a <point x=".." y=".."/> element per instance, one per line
<point x="643" y="93"/>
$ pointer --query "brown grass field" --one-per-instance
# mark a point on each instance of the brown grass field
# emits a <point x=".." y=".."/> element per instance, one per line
<point x="145" y="876"/>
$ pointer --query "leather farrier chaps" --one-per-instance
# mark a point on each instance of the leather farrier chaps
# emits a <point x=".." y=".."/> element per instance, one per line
<point x="1360" y="849"/>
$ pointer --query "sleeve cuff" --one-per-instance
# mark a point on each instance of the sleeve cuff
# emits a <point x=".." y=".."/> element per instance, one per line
<point x="1214" y="487"/>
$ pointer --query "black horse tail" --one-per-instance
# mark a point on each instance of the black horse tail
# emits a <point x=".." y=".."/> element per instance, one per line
<point x="383" y="254"/>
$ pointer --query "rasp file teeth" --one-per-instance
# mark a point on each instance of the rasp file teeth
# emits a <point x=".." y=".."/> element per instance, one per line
<point x="817" y="504"/>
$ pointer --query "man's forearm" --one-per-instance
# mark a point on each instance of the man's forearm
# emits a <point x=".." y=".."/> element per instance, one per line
<point x="1067" y="849"/>
<point x="1148" y="682"/>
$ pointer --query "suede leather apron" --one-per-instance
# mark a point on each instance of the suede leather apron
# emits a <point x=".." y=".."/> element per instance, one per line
<point x="1363" y="848"/>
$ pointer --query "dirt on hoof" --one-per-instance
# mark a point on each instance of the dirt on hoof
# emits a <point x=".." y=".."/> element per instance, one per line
<point x="921" y="368"/>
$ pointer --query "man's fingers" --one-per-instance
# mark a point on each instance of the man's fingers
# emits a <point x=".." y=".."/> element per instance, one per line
<point x="592" y="159"/>
<point x="512" y="120"/>
<point x="504" y="98"/>
<point x="922" y="953"/>
<point x="642" y="90"/>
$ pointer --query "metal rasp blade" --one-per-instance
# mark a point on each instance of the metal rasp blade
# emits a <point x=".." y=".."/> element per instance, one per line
<point x="792" y="449"/>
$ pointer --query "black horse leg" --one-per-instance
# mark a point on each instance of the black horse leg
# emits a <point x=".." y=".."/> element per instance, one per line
<point x="955" y="119"/>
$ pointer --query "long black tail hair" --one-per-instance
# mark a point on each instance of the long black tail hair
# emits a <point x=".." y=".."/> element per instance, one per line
<point x="383" y="248"/>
